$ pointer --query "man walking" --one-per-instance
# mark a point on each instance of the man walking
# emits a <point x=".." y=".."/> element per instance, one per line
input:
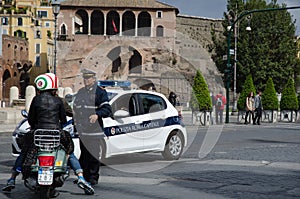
<point x="257" y="108"/>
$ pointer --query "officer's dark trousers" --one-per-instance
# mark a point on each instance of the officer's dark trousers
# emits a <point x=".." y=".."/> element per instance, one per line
<point x="89" y="164"/>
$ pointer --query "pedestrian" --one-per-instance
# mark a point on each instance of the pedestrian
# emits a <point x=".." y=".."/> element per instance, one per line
<point x="90" y="106"/>
<point x="249" y="107"/>
<point x="172" y="98"/>
<point x="258" y="108"/>
<point x="220" y="101"/>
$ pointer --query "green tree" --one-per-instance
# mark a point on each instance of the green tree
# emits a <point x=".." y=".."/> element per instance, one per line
<point x="288" y="97"/>
<point x="268" y="50"/>
<point x="247" y="88"/>
<point x="269" y="97"/>
<point x="298" y="98"/>
<point x="200" y="99"/>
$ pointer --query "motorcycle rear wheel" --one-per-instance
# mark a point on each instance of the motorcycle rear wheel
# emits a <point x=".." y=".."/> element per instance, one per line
<point x="44" y="192"/>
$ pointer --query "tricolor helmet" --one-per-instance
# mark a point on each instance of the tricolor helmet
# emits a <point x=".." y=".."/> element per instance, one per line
<point x="47" y="81"/>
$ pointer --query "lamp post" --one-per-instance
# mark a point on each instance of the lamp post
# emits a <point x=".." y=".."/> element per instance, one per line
<point x="55" y="9"/>
<point x="235" y="14"/>
<point x="245" y="13"/>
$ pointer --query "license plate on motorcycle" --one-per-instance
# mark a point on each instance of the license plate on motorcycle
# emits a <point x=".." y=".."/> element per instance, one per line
<point x="45" y="176"/>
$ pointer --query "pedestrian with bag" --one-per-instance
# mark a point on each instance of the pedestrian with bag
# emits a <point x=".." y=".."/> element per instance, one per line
<point x="249" y="107"/>
<point x="220" y="101"/>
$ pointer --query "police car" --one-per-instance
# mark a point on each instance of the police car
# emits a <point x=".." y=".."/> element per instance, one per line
<point x="142" y="121"/>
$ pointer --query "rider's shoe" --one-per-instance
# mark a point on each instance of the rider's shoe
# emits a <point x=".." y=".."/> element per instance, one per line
<point x="83" y="184"/>
<point x="9" y="185"/>
<point x="54" y="193"/>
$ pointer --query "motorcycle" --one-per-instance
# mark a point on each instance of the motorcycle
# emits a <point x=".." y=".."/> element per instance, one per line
<point x="23" y="127"/>
<point x="50" y="169"/>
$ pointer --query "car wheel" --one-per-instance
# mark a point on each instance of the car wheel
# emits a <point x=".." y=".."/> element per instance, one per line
<point x="174" y="146"/>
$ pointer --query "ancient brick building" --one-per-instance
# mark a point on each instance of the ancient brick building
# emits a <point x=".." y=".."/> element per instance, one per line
<point x="131" y="40"/>
<point x="14" y="65"/>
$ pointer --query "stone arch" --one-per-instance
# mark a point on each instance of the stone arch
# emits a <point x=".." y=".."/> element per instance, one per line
<point x="135" y="62"/>
<point x="112" y="23"/>
<point x="128" y="23"/>
<point x="144" y="24"/>
<point x="63" y="29"/>
<point x="159" y="31"/>
<point x="97" y="22"/>
<point x="24" y="82"/>
<point x="81" y="22"/>
<point x="114" y="56"/>
<point x="5" y="84"/>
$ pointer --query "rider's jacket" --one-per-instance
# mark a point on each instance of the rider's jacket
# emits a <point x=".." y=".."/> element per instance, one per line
<point x="46" y="112"/>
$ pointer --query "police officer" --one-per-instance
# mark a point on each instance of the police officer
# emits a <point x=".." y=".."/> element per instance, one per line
<point x="90" y="106"/>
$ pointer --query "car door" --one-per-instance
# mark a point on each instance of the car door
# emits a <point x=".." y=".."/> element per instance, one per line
<point x="152" y="107"/>
<point x="123" y="133"/>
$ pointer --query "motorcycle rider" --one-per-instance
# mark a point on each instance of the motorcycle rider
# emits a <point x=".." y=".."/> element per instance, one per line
<point x="46" y="112"/>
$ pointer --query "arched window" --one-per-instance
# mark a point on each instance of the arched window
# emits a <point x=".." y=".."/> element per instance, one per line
<point x="112" y="23"/>
<point x="128" y="23"/>
<point x="81" y="22"/>
<point x="144" y="24"/>
<point x="97" y="23"/>
<point x="63" y="29"/>
<point x="135" y="63"/>
<point x="114" y="56"/>
<point x="159" y="31"/>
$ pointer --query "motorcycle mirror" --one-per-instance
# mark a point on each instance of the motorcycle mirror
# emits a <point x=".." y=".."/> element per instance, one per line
<point x="69" y="98"/>
<point x="24" y="113"/>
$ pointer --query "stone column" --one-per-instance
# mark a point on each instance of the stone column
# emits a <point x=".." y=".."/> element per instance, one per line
<point x="13" y="94"/>
<point x="105" y="22"/>
<point x="121" y="23"/>
<point x="89" y="28"/>
<point x="29" y="95"/>
<point x="136" y="26"/>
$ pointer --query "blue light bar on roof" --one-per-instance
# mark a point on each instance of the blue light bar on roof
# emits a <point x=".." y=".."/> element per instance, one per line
<point x="112" y="83"/>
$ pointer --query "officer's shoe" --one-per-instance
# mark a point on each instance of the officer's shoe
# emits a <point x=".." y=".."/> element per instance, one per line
<point x="83" y="184"/>
<point x="9" y="185"/>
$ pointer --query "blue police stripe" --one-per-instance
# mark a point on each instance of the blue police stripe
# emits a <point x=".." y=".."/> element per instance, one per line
<point x="146" y="125"/>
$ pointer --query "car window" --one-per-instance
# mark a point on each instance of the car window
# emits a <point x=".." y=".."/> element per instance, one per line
<point x="122" y="103"/>
<point x="151" y="103"/>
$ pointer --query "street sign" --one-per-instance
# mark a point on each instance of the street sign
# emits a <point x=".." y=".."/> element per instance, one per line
<point x="232" y="51"/>
<point x="224" y="57"/>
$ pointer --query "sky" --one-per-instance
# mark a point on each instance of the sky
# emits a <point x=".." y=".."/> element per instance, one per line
<point x="216" y="8"/>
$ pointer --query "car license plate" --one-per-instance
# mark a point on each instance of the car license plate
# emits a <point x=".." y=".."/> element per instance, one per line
<point x="45" y="176"/>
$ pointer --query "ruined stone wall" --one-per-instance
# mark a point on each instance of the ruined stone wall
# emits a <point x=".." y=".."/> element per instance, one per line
<point x="193" y="42"/>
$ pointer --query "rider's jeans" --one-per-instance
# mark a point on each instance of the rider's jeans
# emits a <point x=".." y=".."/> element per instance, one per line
<point x="18" y="164"/>
<point x="74" y="163"/>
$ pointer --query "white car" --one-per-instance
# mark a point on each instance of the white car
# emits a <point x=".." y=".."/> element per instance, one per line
<point x="143" y="121"/>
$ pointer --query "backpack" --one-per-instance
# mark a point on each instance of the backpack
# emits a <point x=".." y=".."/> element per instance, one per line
<point x="219" y="102"/>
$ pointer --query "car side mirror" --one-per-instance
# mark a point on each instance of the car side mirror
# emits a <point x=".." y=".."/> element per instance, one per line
<point x="121" y="113"/>
<point x="24" y="113"/>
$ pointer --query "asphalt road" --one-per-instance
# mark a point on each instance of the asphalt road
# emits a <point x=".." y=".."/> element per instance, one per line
<point x="232" y="161"/>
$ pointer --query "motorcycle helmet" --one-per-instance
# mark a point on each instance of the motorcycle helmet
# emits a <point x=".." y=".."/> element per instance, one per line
<point x="47" y="81"/>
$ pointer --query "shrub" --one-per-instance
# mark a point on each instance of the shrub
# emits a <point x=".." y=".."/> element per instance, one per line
<point x="200" y="99"/>
<point x="288" y="97"/>
<point x="269" y="97"/>
<point x="247" y="88"/>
